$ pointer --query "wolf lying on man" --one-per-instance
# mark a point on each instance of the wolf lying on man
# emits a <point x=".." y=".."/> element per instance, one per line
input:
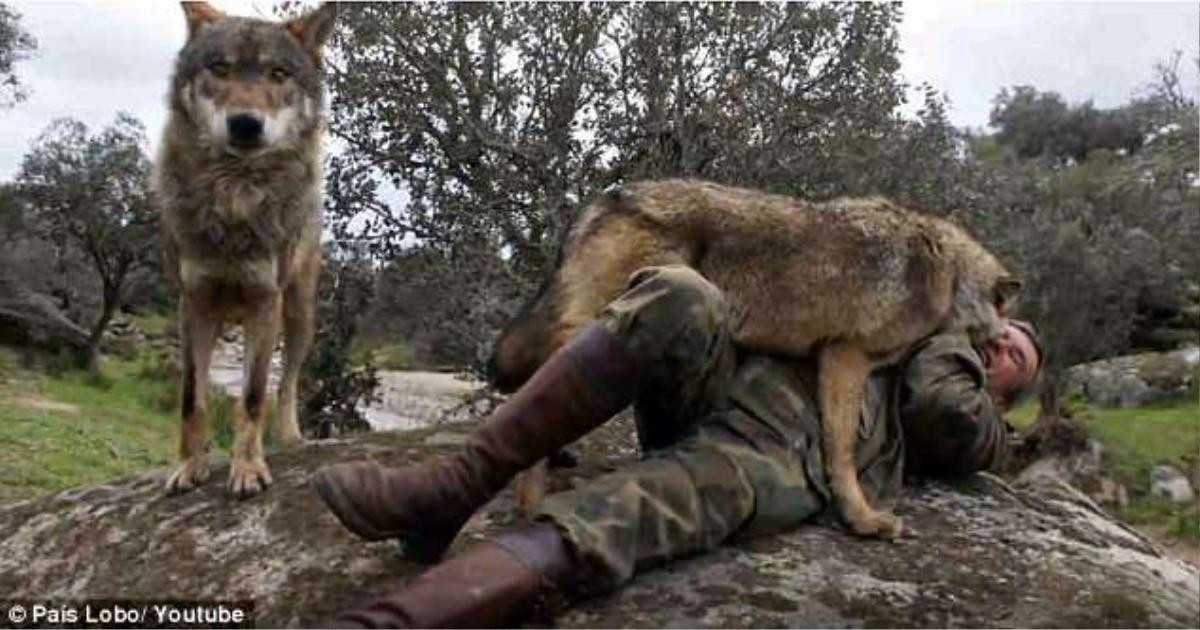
<point x="733" y="437"/>
<point x="238" y="180"/>
<point x="853" y="283"/>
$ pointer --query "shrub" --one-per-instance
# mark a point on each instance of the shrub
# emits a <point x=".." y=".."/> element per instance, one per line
<point x="332" y="387"/>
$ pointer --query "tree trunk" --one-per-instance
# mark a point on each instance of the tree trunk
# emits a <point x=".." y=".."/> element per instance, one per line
<point x="112" y="299"/>
<point x="1050" y="397"/>
<point x="1055" y="431"/>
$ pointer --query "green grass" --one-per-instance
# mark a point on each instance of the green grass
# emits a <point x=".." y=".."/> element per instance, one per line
<point x="1023" y="414"/>
<point x="1137" y="440"/>
<point x="1141" y="438"/>
<point x="152" y="323"/>
<point x="76" y="428"/>
<point x="1138" y="437"/>
<point x="393" y="356"/>
<point x="1161" y="517"/>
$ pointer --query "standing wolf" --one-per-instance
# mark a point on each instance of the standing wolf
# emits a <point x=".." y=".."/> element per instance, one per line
<point x="854" y="283"/>
<point x="238" y="179"/>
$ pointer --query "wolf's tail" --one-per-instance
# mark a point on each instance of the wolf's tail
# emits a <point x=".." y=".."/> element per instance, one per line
<point x="539" y="328"/>
<point x="525" y="341"/>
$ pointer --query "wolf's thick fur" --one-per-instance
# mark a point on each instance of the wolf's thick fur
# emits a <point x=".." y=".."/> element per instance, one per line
<point x="854" y="282"/>
<point x="242" y="218"/>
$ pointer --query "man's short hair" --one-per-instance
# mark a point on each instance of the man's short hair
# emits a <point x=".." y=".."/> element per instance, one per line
<point x="1028" y="388"/>
<point x="1031" y="332"/>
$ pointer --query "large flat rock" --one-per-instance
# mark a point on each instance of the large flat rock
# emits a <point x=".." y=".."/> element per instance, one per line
<point x="988" y="554"/>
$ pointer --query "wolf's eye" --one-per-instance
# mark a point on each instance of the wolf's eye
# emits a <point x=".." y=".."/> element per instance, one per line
<point x="219" y="69"/>
<point x="279" y="75"/>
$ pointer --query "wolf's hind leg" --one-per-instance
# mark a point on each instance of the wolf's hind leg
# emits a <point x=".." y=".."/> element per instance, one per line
<point x="842" y="374"/>
<point x="199" y="333"/>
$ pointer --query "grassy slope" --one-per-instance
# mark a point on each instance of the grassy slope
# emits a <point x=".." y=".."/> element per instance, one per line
<point x="73" y="429"/>
<point x="1138" y="439"/>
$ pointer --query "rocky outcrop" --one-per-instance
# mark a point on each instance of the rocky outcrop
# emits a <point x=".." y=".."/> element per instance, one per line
<point x="988" y="554"/>
<point x="1136" y="380"/>
<point x="31" y="320"/>
<point x="1167" y="482"/>
<point x="122" y="337"/>
<point x="1082" y="469"/>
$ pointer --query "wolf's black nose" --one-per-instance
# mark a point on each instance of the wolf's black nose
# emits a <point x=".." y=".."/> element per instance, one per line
<point x="245" y="130"/>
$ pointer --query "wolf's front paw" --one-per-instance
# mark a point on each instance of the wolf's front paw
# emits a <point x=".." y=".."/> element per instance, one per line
<point x="189" y="474"/>
<point x="248" y="477"/>
<point x="883" y="525"/>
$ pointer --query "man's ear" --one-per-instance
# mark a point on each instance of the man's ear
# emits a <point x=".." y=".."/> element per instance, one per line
<point x="313" y="28"/>
<point x="1005" y="294"/>
<point x="198" y="14"/>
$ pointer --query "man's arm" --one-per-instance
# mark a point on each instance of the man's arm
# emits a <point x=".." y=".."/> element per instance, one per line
<point x="951" y="424"/>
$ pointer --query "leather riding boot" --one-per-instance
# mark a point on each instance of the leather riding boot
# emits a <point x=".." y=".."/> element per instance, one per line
<point x="495" y="583"/>
<point x="578" y="388"/>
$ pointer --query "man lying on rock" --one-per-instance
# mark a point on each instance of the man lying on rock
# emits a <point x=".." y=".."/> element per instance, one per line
<point x="732" y="447"/>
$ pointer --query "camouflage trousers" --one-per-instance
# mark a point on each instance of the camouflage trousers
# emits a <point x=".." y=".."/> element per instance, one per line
<point x="731" y="444"/>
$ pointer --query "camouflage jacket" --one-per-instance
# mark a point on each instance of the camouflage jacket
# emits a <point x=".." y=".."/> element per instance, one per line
<point x="950" y="423"/>
<point x="929" y="415"/>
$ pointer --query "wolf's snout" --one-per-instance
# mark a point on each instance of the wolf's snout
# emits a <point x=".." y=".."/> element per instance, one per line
<point x="245" y="130"/>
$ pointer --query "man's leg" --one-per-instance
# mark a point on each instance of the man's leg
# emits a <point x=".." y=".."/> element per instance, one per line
<point x="665" y="336"/>
<point x="680" y="501"/>
<point x="750" y="469"/>
<point x="676" y="324"/>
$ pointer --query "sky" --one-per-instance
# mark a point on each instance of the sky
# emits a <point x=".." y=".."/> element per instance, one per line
<point x="98" y="57"/>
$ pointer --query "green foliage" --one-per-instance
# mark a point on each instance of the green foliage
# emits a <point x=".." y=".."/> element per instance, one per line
<point x="222" y="409"/>
<point x="1101" y="228"/>
<point x="1164" y="517"/>
<point x="331" y="386"/>
<point x="1186" y="524"/>
<point x="62" y="362"/>
<point x="8" y="365"/>
<point x="1041" y="125"/>
<point x="393" y="356"/>
<point x="156" y="324"/>
<point x="1024" y="414"/>
<point x="16" y="45"/>
<point x="90" y="193"/>
<point x="498" y="121"/>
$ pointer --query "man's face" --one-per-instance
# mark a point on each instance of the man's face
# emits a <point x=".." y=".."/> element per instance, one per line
<point x="1012" y="363"/>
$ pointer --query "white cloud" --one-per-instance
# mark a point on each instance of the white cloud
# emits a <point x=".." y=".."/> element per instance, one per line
<point x="1094" y="50"/>
<point x="95" y="59"/>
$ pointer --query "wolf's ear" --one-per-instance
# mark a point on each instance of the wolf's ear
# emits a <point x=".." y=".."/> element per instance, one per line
<point x="198" y="14"/>
<point x="313" y="28"/>
<point x="1006" y="291"/>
